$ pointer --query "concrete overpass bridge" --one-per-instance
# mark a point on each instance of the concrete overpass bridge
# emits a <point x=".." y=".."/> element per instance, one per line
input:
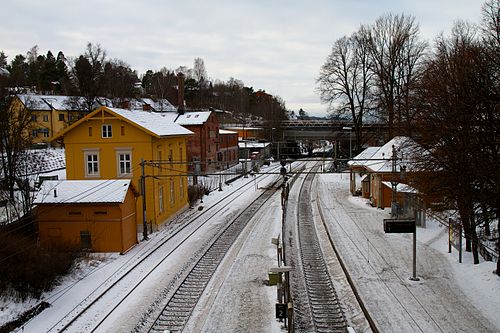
<point x="313" y="131"/>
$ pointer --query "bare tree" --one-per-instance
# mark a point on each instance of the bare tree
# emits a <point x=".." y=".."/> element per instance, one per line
<point x="396" y="53"/>
<point x="458" y="126"/>
<point x="491" y="23"/>
<point x="345" y="80"/>
<point x="199" y="70"/>
<point x="490" y="29"/>
<point x="15" y="134"/>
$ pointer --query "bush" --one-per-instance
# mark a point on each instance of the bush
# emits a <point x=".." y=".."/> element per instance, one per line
<point x="29" y="269"/>
<point x="196" y="192"/>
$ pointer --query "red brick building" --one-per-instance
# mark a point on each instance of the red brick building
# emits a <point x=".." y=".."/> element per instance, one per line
<point x="203" y="146"/>
<point x="228" y="148"/>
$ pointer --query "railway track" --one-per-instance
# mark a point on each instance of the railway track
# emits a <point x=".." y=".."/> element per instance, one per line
<point x="176" y="313"/>
<point x="325" y="311"/>
<point x="74" y="315"/>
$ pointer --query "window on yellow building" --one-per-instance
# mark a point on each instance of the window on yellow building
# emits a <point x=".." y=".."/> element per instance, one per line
<point x="33" y="117"/>
<point x="122" y="131"/>
<point x="107" y="131"/>
<point x="160" y="198"/>
<point x="172" y="192"/>
<point x="61" y="116"/>
<point x="45" y="118"/>
<point x="124" y="163"/>
<point x="92" y="164"/>
<point x="181" y="187"/>
<point x="34" y="133"/>
<point x="90" y="131"/>
<point x="45" y="132"/>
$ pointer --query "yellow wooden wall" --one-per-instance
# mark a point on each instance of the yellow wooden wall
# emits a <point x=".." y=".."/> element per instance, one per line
<point x="143" y="146"/>
<point x="115" y="231"/>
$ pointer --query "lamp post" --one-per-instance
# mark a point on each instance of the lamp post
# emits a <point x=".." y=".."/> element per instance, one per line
<point x="350" y="140"/>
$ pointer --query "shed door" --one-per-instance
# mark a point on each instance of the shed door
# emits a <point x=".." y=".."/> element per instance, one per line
<point x="85" y="240"/>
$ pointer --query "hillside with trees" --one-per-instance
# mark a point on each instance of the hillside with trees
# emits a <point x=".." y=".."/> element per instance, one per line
<point x="92" y="74"/>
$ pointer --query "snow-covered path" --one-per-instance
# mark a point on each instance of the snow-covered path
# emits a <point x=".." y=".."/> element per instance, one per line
<point x="238" y="299"/>
<point x="381" y="264"/>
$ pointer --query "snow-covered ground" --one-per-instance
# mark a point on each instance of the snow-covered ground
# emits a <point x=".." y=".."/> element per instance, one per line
<point x="450" y="297"/>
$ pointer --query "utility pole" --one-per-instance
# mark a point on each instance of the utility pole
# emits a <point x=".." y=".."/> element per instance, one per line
<point x="394" y="184"/>
<point x="143" y="193"/>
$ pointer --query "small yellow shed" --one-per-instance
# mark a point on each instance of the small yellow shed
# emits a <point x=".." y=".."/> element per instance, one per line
<point x="99" y="215"/>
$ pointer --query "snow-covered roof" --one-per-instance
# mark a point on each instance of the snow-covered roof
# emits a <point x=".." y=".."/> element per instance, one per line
<point x="363" y="158"/>
<point x="58" y="102"/>
<point x="382" y="157"/>
<point x="161" y="124"/>
<point x="38" y="161"/>
<point x="401" y="188"/>
<point x="223" y="131"/>
<point x="193" y="118"/>
<point x="82" y="191"/>
<point x="45" y="160"/>
<point x="160" y="105"/>
<point x="65" y="103"/>
<point x="34" y="102"/>
<point x="4" y="72"/>
<point x="379" y="159"/>
<point x="251" y="144"/>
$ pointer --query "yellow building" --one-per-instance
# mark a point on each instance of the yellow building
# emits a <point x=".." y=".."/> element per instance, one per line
<point x="50" y="114"/>
<point x="110" y="143"/>
<point x="99" y="215"/>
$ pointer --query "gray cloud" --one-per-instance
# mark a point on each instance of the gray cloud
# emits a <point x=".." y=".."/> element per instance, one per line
<point x="275" y="45"/>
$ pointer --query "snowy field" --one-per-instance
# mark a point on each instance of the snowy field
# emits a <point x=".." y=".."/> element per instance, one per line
<point x="450" y="297"/>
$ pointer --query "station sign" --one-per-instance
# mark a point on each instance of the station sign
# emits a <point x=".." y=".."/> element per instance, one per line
<point x="399" y="226"/>
<point x="281" y="309"/>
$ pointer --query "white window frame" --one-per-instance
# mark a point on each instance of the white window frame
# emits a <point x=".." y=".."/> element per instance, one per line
<point x="95" y="163"/>
<point x="172" y="192"/>
<point x="106" y="131"/>
<point x="119" y="154"/>
<point x="160" y="199"/>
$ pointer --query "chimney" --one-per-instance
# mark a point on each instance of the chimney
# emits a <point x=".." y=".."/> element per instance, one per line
<point x="125" y="104"/>
<point x="55" y="193"/>
<point x="180" y="93"/>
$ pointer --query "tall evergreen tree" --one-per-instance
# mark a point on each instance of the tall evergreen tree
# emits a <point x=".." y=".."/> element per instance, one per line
<point x="19" y="71"/>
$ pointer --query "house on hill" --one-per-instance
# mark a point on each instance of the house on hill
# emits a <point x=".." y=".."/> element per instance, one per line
<point x="50" y="114"/>
<point x="111" y="143"/>
<point x="148" y="104"/>
<point x="98" y="215"/>
<point x="203" y="146"/>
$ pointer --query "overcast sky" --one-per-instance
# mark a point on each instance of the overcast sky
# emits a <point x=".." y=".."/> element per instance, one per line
<point x="274" y="45"/>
